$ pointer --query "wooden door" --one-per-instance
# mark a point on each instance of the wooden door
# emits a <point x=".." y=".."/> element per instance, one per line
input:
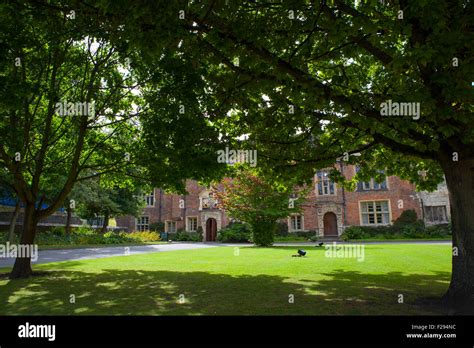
<point x="330" y="224"/>
<point x="211" y="230"/>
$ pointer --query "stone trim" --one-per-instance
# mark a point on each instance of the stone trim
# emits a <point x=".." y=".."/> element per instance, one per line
<point x="330" y="208"/>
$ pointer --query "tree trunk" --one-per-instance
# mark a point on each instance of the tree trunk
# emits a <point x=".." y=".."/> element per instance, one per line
<point x="68" y="220"/>
<point x="22" y="266"/>
<point x="105" y="224"/>
<point x="11" y="231"/>
<point x="460" y="181"/>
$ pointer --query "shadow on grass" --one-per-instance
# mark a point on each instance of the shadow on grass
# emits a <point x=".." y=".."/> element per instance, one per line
<point x="130" y="292"/>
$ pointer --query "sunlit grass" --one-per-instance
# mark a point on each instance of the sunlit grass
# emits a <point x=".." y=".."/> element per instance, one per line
<point x="247" y="281"/>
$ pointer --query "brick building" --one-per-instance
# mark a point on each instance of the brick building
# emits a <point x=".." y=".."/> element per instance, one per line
<point x="327" y="210"/>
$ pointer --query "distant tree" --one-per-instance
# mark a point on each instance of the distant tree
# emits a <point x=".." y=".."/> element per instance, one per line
<point x="95" y="201"/>
<point x="251" y="198"/>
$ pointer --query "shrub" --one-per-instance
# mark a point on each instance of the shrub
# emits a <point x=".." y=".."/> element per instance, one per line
<point x="157" y="226"/>
<point x="438" y="231"/>
<point x="52" y="238"/>
<point x="263" y="232"/>
<point x="200" y="233"/>
<point x="374" y="231"/>
<point x="85" y="230"/>
<point x="186" y="236"/>
<point x="407" y="217"/>
<point x="239" y="227"/>
<point x="85" y="235"/>
<point x="146" y="236"/>
<point x="235" y="232"/>
<point x="117" y="238"/>
<point x="282" y="229"/>
<point x="83" y="239"/>
<point x="413" y="230"/>
<point x="304" y="234"/>
<point x="58" y="230"/>
<point x="353" y="232"/>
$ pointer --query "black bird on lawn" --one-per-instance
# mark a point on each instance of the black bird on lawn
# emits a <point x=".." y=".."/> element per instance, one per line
<point x="320" y="243"/>
<point x="301" y="253"/>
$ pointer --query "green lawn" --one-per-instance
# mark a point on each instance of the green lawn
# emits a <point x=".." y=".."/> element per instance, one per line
<point x="257" y="281"/>
<point x="385" y="240"/>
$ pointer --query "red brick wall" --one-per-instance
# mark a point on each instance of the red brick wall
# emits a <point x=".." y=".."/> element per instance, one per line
<point x="397" y="190"/>
<point x="393" y="197"/>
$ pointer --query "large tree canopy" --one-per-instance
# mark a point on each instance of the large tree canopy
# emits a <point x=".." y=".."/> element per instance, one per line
<point x="306" y="81"/>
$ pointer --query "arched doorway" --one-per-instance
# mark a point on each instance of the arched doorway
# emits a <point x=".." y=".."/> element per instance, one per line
<point x="211" y="230"/>
<point x="330" y="225"/>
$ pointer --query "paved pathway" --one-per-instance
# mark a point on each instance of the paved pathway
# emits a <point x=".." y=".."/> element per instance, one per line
<point x="45" y="256"/>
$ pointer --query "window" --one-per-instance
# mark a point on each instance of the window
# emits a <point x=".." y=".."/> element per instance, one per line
<point x="379" y="185"/>
<point x="142" y="223"/>
<point x="375" y="213"/>
<point x="296" y="223"/>
<point x="371" y="184"/>
<point x="150" y="199"/>
<point x="436" y="214"/>
<point x="324" y="185"/>
<point x="170" y="226"/>
<point x="192" y="224"/>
